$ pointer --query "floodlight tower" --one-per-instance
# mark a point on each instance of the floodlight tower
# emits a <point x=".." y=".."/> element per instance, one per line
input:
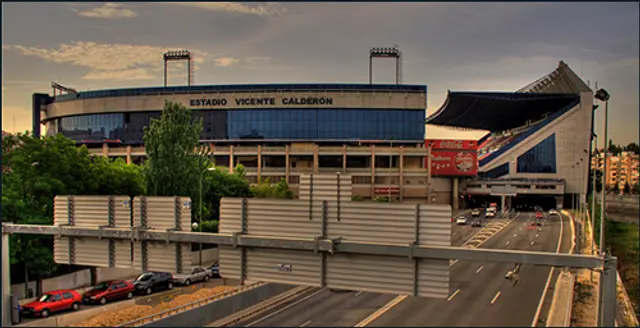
<point x="60" y="88"/>
<point x="392" y="52"/>
<point x="177" y="55"/>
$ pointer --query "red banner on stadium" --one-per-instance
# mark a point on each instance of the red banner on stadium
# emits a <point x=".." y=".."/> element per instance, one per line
<point x="454" y="163"/>
<point x="451" y="144"/>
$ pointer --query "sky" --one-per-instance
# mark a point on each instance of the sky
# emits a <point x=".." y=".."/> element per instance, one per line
<point x="447" y="46"/>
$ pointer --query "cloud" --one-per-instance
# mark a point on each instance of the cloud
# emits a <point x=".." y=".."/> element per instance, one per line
<point x="265" y="10"/>
<point x="109" y="61"/>
<point x="109" y="10"/>
<point x="226" y="61"/>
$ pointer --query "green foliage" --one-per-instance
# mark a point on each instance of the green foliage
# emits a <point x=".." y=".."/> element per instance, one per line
<point x="217" y="184"/>
<point x="357" y="198"/>
<point x="35" y="171"/>
<point x="265" y="189"/>
<point x="627" y="188"/>
<point x="382" y="199"/>
<point x="637" y="189"/>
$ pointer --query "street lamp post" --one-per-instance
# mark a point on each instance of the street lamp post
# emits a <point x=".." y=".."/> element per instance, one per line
<point x="208" y="169"/>
<point x="604" y="96"/>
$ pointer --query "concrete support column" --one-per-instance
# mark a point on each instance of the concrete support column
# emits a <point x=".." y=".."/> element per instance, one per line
<point x="502" y="203"/>
<point x="128" y="154"/>
<point x="559" y="202"/>
<point x="316" y="154"/>
<point x="231" y="165"/>
<point x="6" y="282"/>
<point x="105" y="150"/>
<point x="344" y="158"/>
<point x="373" y="169"/>
<point x="455" y="196"/>
<point x="401" y="164"/>
<point x="287" y="169"/>
<point x="259" y="162"/>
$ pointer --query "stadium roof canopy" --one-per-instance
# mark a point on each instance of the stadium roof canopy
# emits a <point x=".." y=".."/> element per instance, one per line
<point x="498" y="111"/>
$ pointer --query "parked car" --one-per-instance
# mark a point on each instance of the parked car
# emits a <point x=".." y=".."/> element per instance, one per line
<point x="476" y="223"/>
<point x="197" y="274"/>
<point x="108" y="291"/>
<point x="475" y="212"/>
<point x="149" y="282"/>
<point x="214" y="270"/>
<point x="461" y="220"/>
<point x="52" y="302"/>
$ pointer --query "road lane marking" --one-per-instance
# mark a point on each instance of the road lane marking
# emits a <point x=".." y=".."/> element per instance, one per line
<point x="479" y="269"/>
<point x="453" y="295"/>
<point x="358" y="293"/>
<point x="495" y="298"/>
<point x="515" y="235"/>
<point x="507" y="243"/>
<point x="305" y="324"/>
<point x="381" y="311"/>
<point x="286" y="307"/>
<point x="520" y="229"/>
<point x="534" y="323"/>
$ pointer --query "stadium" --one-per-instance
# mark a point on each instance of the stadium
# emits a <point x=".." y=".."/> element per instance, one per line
<point x="373" y="132"/>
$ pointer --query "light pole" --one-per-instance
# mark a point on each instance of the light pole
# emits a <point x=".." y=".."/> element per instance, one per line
<point x="604" y="96"/>
<point x="208" y="169"/>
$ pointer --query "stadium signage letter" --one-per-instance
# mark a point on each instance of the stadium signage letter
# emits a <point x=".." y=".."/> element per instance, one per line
<point x="265" y="101"/>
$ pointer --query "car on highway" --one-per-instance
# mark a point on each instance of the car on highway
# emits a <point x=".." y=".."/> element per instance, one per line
<point x="52" y="302"/>
<point x="490" y="214"/>
<point x="108" y="291"/>
<point x="475" y="212"/>
<point x="149" y="282"/>
<point x="461" y="220"/>
<point x="476" y="223"/>
<point x="196" y="274"/>
<point x="553" y="211"/>
<point x="214" y="270"/>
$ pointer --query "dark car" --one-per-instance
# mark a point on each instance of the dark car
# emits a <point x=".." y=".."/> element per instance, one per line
<point x="476" y="223"/>
<point x="214" y="270"/>
<point x="108" y="291"/>
<point x="149" y="282"/>
<point x="51" y="302"/>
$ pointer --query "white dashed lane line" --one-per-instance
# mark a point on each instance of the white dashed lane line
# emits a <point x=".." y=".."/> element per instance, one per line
<point x="495" y="298"/>
<point x="305" y="324"/>
<point x="453" y="295"/>
<point x="479" y="269"/>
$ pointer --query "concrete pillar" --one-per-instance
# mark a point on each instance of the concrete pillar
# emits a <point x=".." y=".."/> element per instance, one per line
<point x="373" y="169"/>
<point x="502" y="203"/>
<point x="316" y="161"/>
<point x="401" y="164"/>
<point x="128" y="154"/>
<point x="231" y="165"/>
<point x="6" y="282"/>
<point x="429" y="175"/>
<point x="344" y="158"/>
<point x="287" y="163"/>
<point x="105" y="150"/>
<point x="259" y="162"/>
<point x="455" y="196"/>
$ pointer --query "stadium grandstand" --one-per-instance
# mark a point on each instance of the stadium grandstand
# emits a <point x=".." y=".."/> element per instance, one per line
<point x="540" y="134"/>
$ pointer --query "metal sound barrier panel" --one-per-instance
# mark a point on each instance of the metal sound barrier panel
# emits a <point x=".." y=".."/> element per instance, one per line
<point x="92" y="212"/>
<point x="325" y="186"/>
<point x="351" y="221"/>
<point x="166" y="214"/>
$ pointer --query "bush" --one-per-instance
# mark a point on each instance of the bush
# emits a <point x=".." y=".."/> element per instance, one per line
<point x="265" y="189"/>
<point x="382" y="199"/>
<point x="357" y="198"/>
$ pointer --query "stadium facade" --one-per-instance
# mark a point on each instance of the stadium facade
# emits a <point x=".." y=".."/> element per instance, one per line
<point x="538" y="143"/>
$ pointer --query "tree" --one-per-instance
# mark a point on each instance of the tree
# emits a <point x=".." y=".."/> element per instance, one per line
<point x="265" y="189"/>
<point x="37" y="170"/>
<point x="632" y="147"/>
<point x="627" y="188"/>
<point x="176" y="162"/>
<point x="637" y="189"/>
<point x="217" y="184"/>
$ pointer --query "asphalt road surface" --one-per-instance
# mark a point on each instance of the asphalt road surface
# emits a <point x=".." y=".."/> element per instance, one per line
<point x="344" y="308"/>
<point x="480" y="295"/>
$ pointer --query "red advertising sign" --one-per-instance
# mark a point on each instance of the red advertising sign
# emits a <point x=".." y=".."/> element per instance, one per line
<point x="454" y="163"/>
<point x="449" y="144"/>
<point x="385" y="190"/>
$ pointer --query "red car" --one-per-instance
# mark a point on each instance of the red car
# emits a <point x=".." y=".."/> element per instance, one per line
<point x="51" y="302"/>
<point x="109" y="291"/>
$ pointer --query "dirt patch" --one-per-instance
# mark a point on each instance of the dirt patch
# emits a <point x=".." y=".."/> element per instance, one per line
<point x="586" y="291"/>
<point x="120" y="316"/>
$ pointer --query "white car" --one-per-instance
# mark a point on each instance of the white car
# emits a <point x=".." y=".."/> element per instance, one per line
<point x="490" y="214"/>
<point x="461" y="220"/>
<point x="553" y="212"/>
<point x="475" y="212"/>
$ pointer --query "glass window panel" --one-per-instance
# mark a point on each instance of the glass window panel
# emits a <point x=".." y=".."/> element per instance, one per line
<point x="541" y="158"/>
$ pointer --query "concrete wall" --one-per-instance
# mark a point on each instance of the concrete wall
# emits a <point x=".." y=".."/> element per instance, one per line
<point x="572" y="130"/>
<point x="217" y="310"/>
<point x="82" y="278"/>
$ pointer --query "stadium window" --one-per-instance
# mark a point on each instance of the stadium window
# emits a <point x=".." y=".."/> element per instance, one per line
<point x="541" y="158"/>
<point x="496" y="172"/>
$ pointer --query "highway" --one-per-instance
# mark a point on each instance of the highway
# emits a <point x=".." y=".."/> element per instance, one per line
<point x="480" y="296"/>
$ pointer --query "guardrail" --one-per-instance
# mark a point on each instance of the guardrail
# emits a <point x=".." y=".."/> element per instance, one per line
<point x="178" y="309"/>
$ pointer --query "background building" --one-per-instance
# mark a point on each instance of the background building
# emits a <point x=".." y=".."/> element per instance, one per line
<point x="621" y="169"/>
